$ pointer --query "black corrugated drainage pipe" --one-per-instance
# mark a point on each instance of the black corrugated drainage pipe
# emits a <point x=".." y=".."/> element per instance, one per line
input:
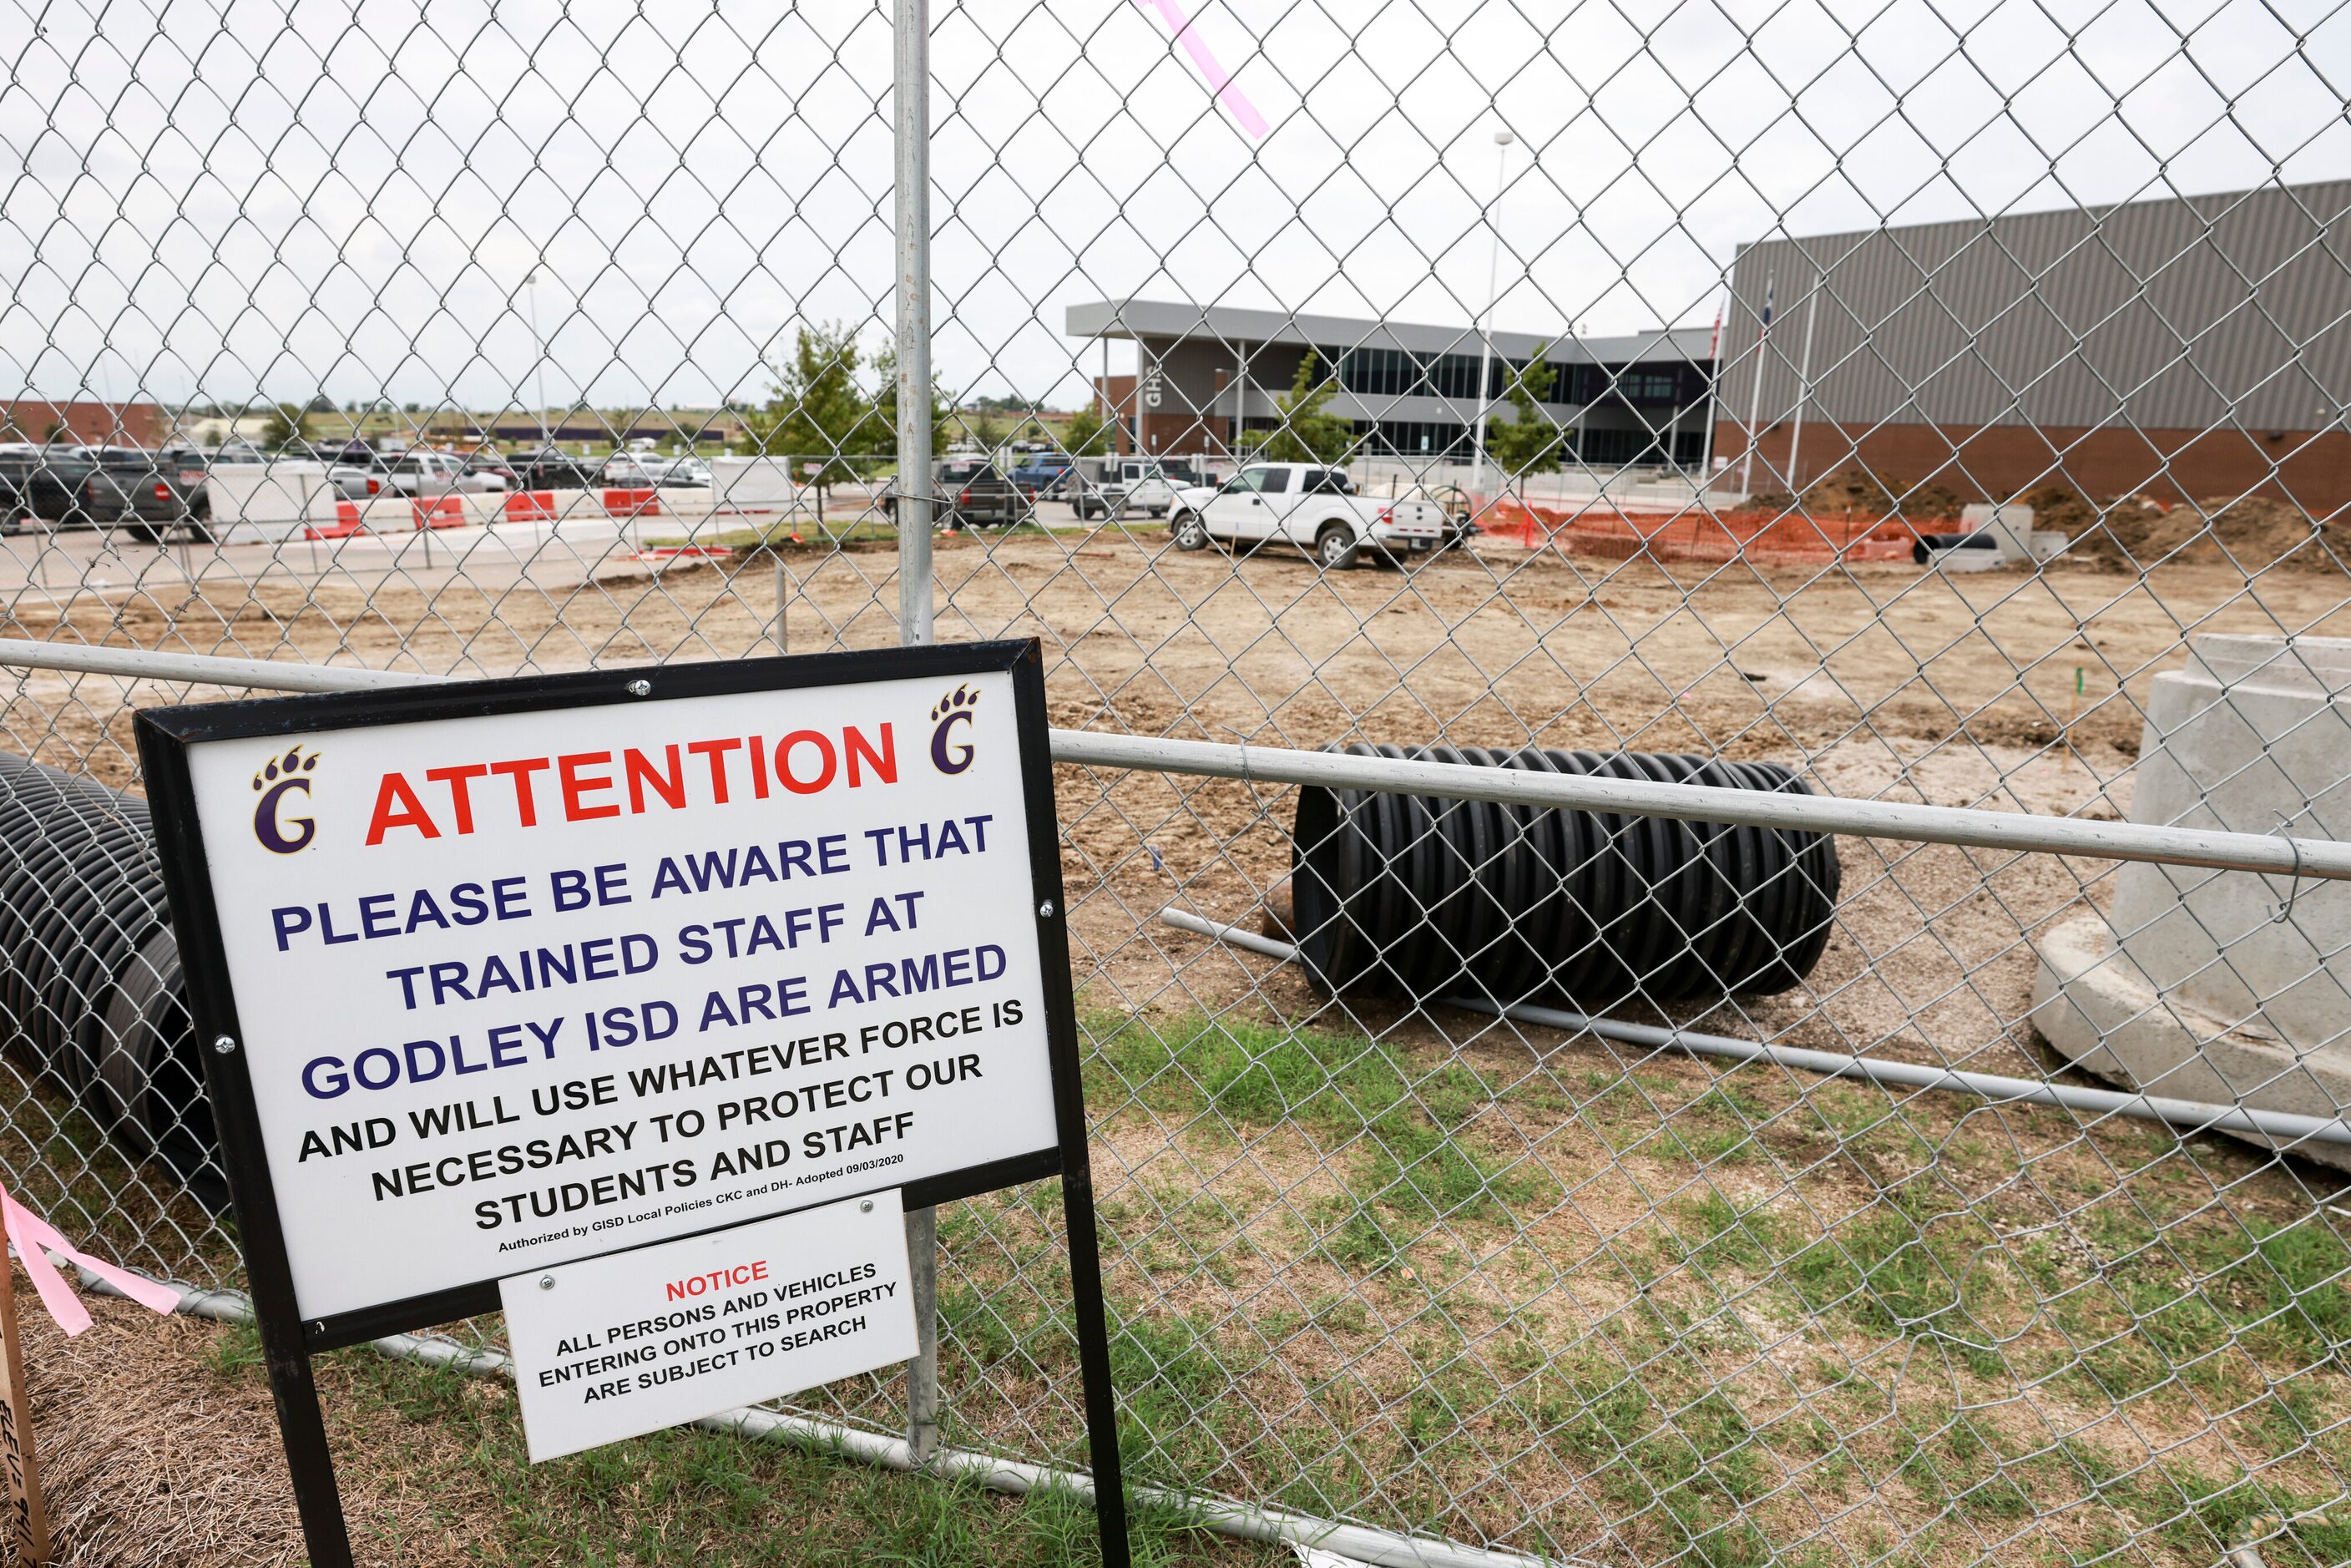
<point x="1420" y="896"/>
<point x="91" y="992"/>
<point x="1923" y="549"/>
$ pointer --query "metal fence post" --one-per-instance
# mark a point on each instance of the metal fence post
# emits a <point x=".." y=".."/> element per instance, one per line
<point x="912" y="104"/>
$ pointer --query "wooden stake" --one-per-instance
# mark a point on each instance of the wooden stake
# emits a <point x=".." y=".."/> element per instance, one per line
<point x="2072" y="707"/>
<point x="29" y="1522"/>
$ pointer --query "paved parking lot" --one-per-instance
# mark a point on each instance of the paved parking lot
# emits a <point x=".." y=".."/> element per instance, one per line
<point x="550" y="556"/>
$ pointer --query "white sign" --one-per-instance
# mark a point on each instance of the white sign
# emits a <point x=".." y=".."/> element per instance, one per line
<point x="635" y="1342"/>
<point x="523" y="990"/>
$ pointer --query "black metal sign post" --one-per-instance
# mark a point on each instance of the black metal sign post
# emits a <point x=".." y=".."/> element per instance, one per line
<point x="167" y="737"/>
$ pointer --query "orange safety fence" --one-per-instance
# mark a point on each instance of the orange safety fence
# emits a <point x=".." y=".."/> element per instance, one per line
<point x="1694" y="532"/>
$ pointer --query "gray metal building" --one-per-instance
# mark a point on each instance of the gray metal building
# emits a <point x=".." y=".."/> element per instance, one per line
<point x="2187" y="347"/>
<point x="1210" y="373"/>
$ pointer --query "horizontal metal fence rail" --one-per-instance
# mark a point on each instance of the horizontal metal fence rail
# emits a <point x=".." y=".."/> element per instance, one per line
<point x="2322" y="859"/>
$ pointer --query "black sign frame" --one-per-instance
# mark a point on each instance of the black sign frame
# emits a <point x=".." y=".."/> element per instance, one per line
<point x="165" y="738"/>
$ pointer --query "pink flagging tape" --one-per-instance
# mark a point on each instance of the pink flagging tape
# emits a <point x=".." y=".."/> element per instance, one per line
<point x="1231" y="97"/>
<point x="31" y="1233"/>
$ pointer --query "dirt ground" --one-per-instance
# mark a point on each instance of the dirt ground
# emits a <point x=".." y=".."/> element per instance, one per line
<point x="1999" y="690"/>
<point x="2015" y="692"/>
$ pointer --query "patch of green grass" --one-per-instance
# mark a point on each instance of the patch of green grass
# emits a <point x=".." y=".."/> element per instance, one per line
<point x="2168" y="1303"/>
<point x="236" y="1349"/>
<point x="1729" y="1236"/>
<point x="1176" y="1396"/>
<point x="1399" y="1129"/>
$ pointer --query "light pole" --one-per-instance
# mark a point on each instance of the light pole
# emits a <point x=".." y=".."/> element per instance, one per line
<point x="1755" y="393"/>
<point x="530" y="299"/>
<point x="1804" y="390"/>
<point x="1502" y="140"/>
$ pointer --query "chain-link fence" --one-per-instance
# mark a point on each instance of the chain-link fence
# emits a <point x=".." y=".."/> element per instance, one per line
<point x="1608" y="398"/>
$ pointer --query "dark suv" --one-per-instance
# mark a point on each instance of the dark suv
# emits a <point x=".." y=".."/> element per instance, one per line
<point x="128" y="487"/>
<point x="970" y="493"/>
<point x="552" y="468"/>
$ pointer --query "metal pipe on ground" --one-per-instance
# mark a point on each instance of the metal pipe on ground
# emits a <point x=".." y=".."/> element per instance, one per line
<point x="2010" y="831"/>
<point x="2282" y="1129"/>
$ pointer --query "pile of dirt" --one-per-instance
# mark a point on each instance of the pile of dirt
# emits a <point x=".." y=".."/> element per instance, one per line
<point x="1856" y="492"/>
<point x="2131" y="533"/>
<point x="2055" y="507"/>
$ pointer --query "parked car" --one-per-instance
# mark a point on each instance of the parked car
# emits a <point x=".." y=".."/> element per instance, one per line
<point x="1044" y="474"/>
<point x="552" y="468"/>
<point x="42" y="482"/>
<point x="422" y="472"/>
<point x="679" y="472"/>
<point x="1310" y="505"/>
<point x="143" y="492"/>
<point x="493" y="464"/>
<point x="1457" y="507"/>
<point x="970" y="494"/>
<point x="1111" y="487"/>
<point x="358" y="481"/>
<point x="626" y="471"/>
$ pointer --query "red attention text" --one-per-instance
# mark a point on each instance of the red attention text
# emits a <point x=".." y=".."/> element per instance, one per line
<point x="581" y="786"/>
<point x="728" y="1279"/>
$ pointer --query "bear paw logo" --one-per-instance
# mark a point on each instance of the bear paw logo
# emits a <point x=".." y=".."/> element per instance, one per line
<point x="279" y="777"/>
<point x="948" y="754"/>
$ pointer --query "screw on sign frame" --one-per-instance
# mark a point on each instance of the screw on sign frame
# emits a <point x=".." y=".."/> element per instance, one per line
<point x="167" y="737"/>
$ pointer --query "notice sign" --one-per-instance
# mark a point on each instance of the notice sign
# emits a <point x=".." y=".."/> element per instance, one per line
<point x="638" y="1341"/>
<point x="527" y="972"/>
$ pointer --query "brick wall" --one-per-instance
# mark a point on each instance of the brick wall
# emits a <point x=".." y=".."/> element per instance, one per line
<point x="2312" y="469"/>
<point x="92" y="423"/>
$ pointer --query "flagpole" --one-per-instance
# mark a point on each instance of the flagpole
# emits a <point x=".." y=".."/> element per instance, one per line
<point x="1804" y="388"/>
<point x="1755" y="397"/>
<point x="1714" y="382"/>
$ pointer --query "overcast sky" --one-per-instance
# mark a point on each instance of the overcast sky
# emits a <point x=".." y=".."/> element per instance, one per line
<point x="220" y="200"/>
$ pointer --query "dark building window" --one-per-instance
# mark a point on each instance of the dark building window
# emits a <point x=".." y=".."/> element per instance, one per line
<point x="1454" y="376"/>
<point x="1659" y="385"/>
<point x="1397" y="373"/>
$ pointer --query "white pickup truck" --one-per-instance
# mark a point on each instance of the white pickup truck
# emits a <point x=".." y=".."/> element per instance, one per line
<point x="1312" y="508"/>
<point x="1114" y="487"/>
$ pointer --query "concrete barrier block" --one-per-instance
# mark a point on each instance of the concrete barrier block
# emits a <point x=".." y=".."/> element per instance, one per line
<point x="255" y="502"/>
<point x="755" y="485"/>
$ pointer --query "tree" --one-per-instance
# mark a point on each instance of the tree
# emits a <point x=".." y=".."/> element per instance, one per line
<point x="319" y="403"/>
<point x="289" y="422"/>
<point x="1529" y="442"/>
<point x="1307" y="434"/>
<point x="985" y="428"/>
<point x="819" y="417"/>
<point x="1089" y="435"/>
<point x="885" y="404"/>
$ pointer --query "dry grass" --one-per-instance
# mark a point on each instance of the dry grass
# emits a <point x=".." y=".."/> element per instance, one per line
<point x="161" y="1450"/>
